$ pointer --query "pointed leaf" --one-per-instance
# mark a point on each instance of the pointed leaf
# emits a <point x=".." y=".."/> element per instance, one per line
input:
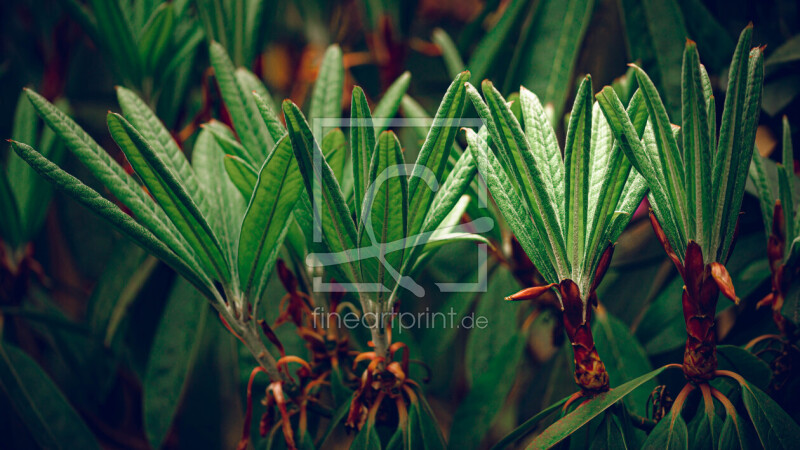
<point x="384" y="214"/>
<point x="332" y="221"/>
<point x="390" y="102"/>
<point x="170" y="195"/>
<point x="278" y="187"/>
<point x="362" y="145"/>
<point x="326" y="98"/>
<point x="576" y="174"/>
<point x="433" y="155"/>
<point x="242" y="175"/>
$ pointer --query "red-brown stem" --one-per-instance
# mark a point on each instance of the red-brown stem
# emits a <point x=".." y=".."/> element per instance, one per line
<point x="590" y="372"/>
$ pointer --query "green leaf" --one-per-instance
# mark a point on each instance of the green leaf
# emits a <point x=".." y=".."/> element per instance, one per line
<point x="174" y="350"/>
<point x="241" y="105"/>
<point x="278" y="187"/>
<point x="576" y="175"/>
<point x="170" y="195"/>
<point x="109" y="211"/>
<point x="506" y="132"/>
<point x="483" y="57"/>
<point x="670" y="162"/>
<point x="511" y="206"/>
<point x="428" y="425"/>
<point x="225" y="207"/>
<point x="43" y="409"/>
<point x="785" y="178"/>
<point x="112" y="175"/>
<point x="268" y="114"/>
<point x="432" y="158"/>
<point x="451" y="191"/>
<point x="644" y="161"/>
<point x="737" y="139"/>
<point x="332" y="220"/>
<point x="241" y="174"/>
<point x="326" y="98"/>
<point x="774" y="427"/>
<point x="609" y="434"/>
<point x="10" y="227"/>
<point x="145" y="121"/>
<point x="30" y="193"/>
<point x="390" y="102"/>
<point x="544" y="145"/>
<point x="586" y="412"/>
<point x="487" y="395"/>
<point x="452" y="59"/>
<point x="624" y="357"/>
<point x="554" y="35"/>
<point x="116" y="36"/>
<point x="766" y="197"/>
<point x="155" y="37"/>
<point x="697" y="150"/>
<point x="528" y="425"/>
<point x="384" y="214"/>
<point x="226" y="139"/>
<point x="736" y="433"/>
<point x="362" y="145"/>
<point x="670" y="433"/>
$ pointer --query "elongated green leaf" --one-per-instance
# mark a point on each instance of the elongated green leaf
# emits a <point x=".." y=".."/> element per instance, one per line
<point x="506" y="132"/>
<point x="452" y="59"/>
<point x="511" y="206"/>
<point x="543" y="143"/>
<point x="554" y="35"/>
<point x="109" y="211"/>
<point x="576" y="175"/>
<point x="774" y="427"/>
<point x="384" y="214"/>
<point x="270" y="117"/>
<point x="486" y="397"/>
<point x="326" y="98"/>
<point x="252" y="85"/>
<point x="112" y="175"/>
<point x="170" y="195"/>
<point x="10" y="226"/>
<point x="450" y="192"/>
<point x="528" y="425"/>
<point x="670" y="162"/>
<point x="332" y="220"/>
<point x="155" y="36"/>
<point x="174" y="350"/>
<point x="227" y="140"/>
<point x="390" y="102"/>
<point x="787" y="203"/>
<point x="697" y="151"/>
<point x="743" y="147"/>
<point x="31" y="195"/>
<point x="140" y="116"/>
<point x="362" y="145"/>
<point x="489" y="47"/>
<point x="241" y="174"/>
<point x="731" y="136"/>
<point x="669" y="434"/>
<point x="50" y="419"/>
<point x="116" y="36"/>
<point x="276" y="192"/>
<point x="250" y="128"/>
<point x="585" y="413"/>
<point x="766" y="197"/>
<point x="638" y="154"/>
<point x="736" y="433"/>
<point x="225" y="207"/>
<point x="433" y="155"/>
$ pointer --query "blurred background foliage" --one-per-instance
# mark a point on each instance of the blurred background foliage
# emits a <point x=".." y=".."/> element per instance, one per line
<point x="106" y="333"/>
